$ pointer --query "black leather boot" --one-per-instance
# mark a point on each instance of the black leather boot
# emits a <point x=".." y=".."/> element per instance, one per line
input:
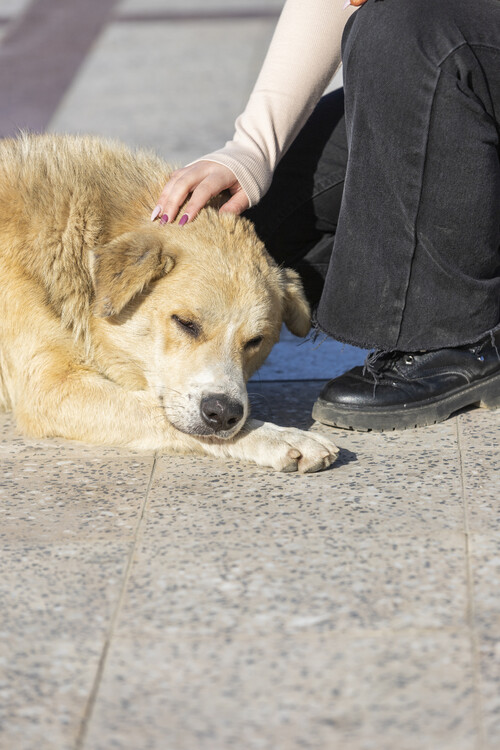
<point x="396" y="391"/>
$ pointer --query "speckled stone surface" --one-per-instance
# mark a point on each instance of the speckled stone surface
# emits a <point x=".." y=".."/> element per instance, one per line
<point x="69" y="515"/>
<point x="186" y="602"/>
<point x="60" y="495"/>
<point x="44" y="684"/>
<point x="489" y="654"/>
<point x="303" y="691"/>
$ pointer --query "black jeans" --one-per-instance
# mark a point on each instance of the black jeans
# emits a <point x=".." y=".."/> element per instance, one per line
<point x="392" y="213"/>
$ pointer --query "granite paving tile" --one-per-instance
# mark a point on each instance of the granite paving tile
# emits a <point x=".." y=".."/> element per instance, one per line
<point x="60" y="590"/>
<point x="479" y="429"/>
<point x="485" y="567"/>
<point x="482" y="489"/>
<point x="489" y="654"/>
<point x="50" y="496"/>
<point x="11" y="439"/>
<point x="480" y="458"/>
<point x="409" y="691"/>
<point x="227" y="546"/>
<point x="44" y="684"/>
<point x="404" y="494"/>
<point x="250" y="584"/>
<point x="439" y="437"/>
<point x="68" y="513"/>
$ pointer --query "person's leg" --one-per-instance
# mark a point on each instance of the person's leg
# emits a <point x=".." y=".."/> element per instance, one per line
<point x="416" y="262"/>
<point x="297" y="217"/>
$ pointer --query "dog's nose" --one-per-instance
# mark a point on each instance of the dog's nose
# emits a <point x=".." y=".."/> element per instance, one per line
<point x="221" y="412"/>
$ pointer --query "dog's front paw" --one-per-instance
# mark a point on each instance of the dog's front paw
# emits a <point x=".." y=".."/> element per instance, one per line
<point x="289" y="449"/>
<point x="297" y="450"/>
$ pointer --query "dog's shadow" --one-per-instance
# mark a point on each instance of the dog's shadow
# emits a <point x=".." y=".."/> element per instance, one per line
<point x="345" y="457"/>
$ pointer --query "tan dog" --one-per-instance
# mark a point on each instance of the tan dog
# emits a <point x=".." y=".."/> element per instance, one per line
<point x="117" y="331"/>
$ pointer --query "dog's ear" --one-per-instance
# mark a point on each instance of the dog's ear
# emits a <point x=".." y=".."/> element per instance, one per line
<point x="122" y="268"/>
<point x="296" y="310"/>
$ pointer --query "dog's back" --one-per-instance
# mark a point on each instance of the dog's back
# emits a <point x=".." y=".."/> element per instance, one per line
<point x="61" y="195"/>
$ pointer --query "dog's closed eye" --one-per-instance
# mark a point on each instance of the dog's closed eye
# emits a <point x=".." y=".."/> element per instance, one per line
<point x="188" y="326"/>
<point x="254" y="343"/>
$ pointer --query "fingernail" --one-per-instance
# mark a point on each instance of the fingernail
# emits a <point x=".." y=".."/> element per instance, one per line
<point x="183" y="220"/>
<point x="346" y="5"/>
<point x="164" y="219"/>
<point x="156" y="213"/>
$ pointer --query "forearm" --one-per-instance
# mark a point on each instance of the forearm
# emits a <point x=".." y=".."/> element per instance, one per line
<point x="302" y="58"/>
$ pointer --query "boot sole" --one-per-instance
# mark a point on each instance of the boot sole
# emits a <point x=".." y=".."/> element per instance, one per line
<point x="484" y="393"/>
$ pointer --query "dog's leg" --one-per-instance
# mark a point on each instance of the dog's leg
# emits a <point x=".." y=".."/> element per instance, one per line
<point x="282" y="448"/>
<point x="79" y="404"/>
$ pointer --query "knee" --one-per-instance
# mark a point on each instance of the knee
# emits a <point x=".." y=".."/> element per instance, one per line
<point x="387" y="33"/>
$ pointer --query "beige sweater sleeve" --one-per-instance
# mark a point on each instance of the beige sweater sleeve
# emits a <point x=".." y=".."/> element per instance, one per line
<point x="303" y="56"/>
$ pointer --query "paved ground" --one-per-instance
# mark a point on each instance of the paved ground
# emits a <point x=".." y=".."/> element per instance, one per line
<point x="151" y="602"/>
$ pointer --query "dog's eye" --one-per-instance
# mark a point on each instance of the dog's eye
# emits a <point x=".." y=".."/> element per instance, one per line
<point x="254" y="343"/>
<point x="189" y="326"/>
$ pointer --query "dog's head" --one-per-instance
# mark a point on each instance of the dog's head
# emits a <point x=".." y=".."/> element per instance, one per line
<point x="197" y="309"/>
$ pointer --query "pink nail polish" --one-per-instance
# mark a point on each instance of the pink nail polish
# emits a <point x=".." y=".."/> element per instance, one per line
<point x="156" y="213"/>
<point x="183" y="220"/>
<point x="164" y="219"/>
<point x="346" y="5"/>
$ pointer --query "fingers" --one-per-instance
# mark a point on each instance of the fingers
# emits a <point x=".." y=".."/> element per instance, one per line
<point x="201" y="181"/>
<point x="175" y="192"/>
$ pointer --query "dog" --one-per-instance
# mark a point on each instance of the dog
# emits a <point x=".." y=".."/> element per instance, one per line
<point x="117" y="331"/>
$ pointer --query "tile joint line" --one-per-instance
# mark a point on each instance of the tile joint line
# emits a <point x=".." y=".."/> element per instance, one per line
<point x="92" y="698"/>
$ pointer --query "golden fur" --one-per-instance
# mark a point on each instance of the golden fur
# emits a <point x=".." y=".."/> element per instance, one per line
<point x="116" y="331"/>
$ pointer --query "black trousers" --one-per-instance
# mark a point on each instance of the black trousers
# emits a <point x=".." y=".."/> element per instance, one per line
<point x="388" y="203"/>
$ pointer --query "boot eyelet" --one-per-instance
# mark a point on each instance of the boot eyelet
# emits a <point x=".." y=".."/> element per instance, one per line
<point x="481" y="358"/>
<point x="408" y="360"/>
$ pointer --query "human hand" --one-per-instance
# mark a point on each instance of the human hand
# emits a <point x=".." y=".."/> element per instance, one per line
<point x="203" y="180"/>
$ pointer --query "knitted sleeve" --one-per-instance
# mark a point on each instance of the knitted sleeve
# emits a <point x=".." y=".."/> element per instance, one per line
<point x="302" y="58"/>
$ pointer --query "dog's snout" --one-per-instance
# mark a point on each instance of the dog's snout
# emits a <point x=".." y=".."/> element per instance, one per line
<point x="221" y="412"/>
